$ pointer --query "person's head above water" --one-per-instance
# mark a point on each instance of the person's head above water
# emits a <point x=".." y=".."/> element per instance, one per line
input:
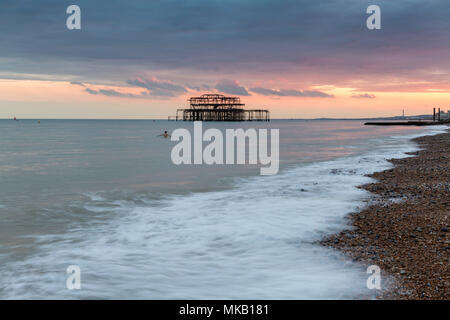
<point x="165" y="134"/>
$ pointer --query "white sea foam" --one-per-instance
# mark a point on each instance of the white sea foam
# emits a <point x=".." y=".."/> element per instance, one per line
<point x="256" y="240"/>
<point x="94" y="196"/>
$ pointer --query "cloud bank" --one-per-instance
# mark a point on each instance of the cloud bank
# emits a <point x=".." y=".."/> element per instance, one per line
<point x="159" y="88"/>
<point x="231" y="87"/>
<point x="291" y="93"/>
<point x="315" y="42"/>
<point x="364" y="96"/>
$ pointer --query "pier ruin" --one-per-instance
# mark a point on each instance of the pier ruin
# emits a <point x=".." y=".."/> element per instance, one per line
<point x="217" y="107"/>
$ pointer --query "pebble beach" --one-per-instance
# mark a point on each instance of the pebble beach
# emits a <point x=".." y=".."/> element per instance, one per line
<point x="405" y="226"/>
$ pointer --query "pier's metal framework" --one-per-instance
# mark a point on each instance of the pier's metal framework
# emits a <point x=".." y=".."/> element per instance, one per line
<point x="217" y="107"/>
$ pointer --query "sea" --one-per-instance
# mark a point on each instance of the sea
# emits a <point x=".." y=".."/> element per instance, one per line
<point x="104" y="195"/>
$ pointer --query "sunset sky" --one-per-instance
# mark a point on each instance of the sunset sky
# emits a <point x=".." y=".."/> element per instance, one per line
<point x="299" y="59"/>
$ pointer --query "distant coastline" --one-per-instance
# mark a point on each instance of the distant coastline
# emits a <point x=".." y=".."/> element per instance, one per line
<point x="395" y="118"/>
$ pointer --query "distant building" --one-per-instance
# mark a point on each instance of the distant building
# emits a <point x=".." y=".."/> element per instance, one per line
<point x="445" y="115"/>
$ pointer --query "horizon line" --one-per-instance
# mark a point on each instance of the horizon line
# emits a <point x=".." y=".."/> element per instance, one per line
<point x="159" y="119"/>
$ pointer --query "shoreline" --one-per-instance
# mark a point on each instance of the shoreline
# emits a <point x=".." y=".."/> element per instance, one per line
<point x="404" y="227"/>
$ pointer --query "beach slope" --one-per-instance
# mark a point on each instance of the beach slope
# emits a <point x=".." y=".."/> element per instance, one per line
<point x="404" y="228"/>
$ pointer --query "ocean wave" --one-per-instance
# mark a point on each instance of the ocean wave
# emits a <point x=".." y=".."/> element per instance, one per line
<point x="255" y="240"/>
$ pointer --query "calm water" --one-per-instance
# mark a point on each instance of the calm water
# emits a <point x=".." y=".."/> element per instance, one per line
<point x="105" y="195"/>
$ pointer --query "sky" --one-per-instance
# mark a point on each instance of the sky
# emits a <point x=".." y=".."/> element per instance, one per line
<point x="143" y="59"/>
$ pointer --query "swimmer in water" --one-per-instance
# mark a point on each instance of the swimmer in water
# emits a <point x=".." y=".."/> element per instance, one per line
<point x="165" y="135"/>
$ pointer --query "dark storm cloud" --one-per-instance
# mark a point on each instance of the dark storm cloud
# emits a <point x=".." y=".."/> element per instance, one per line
<point x="231" y="87"/>
<point x="120" y="38"/>
<point x="291" y="93"/>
